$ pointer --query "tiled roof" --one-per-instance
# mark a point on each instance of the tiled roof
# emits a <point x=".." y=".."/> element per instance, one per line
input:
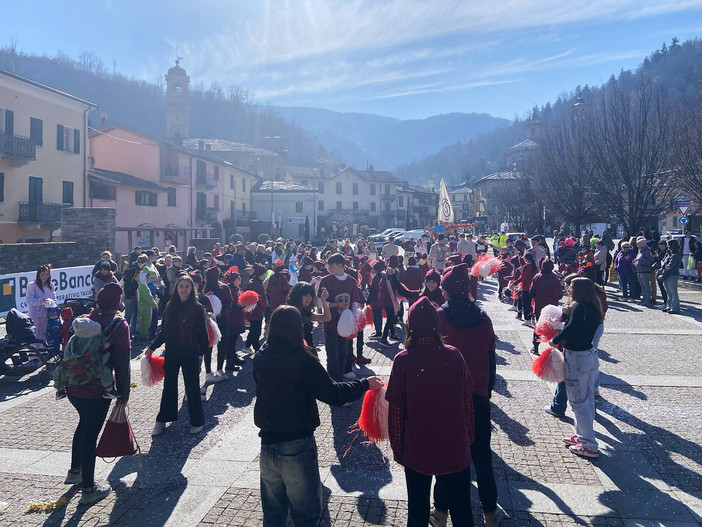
<point x="501" y="176"/>
<point x="120" y="178"/>
<point x="527" y="144"/>
<point x="47" y="88"/>
<point x="303" y="172"/>
<point x="374" y="175"/>
<point x="280" y="186"/>
<point x="225" y="145"/>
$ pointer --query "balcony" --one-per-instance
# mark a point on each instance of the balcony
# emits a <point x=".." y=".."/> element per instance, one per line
<point x="176" y="175"/>
<point x="17" y="149"/>
<point x="40" y="212"/>
<point x="388" y="197"/>
<point x="206" y="215"/>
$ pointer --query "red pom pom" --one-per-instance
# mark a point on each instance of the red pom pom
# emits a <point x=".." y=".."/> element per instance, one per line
<point x="248" y="298"/>
<point x="374" y="415"/>
<point x="368" y="315"/>
<point x="549" y="366"/>
<point x="157" y="372"/>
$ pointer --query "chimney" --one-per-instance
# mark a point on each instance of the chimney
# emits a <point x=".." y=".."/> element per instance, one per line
<point x="201" y="145"/>
<point x="370" y="168"/>
<point x="208" y="147"/>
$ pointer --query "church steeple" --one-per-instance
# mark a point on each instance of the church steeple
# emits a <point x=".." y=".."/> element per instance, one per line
<point x="177" y="103"/>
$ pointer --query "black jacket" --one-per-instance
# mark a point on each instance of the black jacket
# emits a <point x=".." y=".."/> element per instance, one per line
<point x="288" y="382"/>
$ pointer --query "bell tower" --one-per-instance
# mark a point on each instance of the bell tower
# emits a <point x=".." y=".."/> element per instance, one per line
<point x="177" y="104"/>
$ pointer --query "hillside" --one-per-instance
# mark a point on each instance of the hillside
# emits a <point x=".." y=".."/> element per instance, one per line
<point x="385" y="141"/>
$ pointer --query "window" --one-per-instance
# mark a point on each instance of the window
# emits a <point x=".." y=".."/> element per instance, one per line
<point x="200" y="172"/>
<point x="216" y="202"/>
<point x="372" y="206"/>
<point x="387" y="206"/>
<point x="338" y="205"/>
<point x="67" y="139"/>
<point x="216" y="169"/>
<point x="401" y="201"/>
<point x="304" y="182"/>
<point x="320" y="186"/>
<point x="36" y="131"/>
<point x="320" y="204"/>
<point x="372" y="188"/>
<point x="338" y="188"/>
<point x="2" y="187"/>
<point x="171" y="197"/>
<point x="387" y="189"/>
<point x="298" y="206"/>
<point x="7" y="121"/>
<point x="231" y="181"/>
<point x="355" y="205"/>
<point x="67" y="193"/>
<point x="145" y="198"/>
<point x="243" y="206"/>
<point x="102" y="191"/>
<point x="201" y="201"/>
<point x="243" y="185"/>
<point x="355" y="189"/>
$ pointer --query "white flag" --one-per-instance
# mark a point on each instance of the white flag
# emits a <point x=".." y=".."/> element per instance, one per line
<point x="445" y="207"/>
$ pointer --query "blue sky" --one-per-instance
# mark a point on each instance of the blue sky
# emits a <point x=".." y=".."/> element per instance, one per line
<point x="401" y="58"/>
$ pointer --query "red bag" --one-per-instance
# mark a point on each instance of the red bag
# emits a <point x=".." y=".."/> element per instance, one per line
<point x="117" y="438"/>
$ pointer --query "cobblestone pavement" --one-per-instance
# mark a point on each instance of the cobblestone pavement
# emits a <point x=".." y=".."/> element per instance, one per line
<point x="649" y="421"/>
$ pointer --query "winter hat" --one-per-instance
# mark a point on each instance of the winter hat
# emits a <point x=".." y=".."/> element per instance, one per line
<point x="432" y="274"/>
<point x="197" y="277"/>
<point x="379" y="266"/>
<point x="259" y="270"/>
<point x="641" y="242"/>
<point x="393" y="261"/>
<point x="468" y="260"/>
<point x="547" y="265"/>
<point x="278" y="265"/>
<point x="84" y="327"/>
<point x="105" y="265"/>
<point x="454" y="259"/>
<point x="455" y="281"/>
<point x="411" y="261"/>
<point x="306" y="260"/>
<point x="212" y="273"/>
<point x="422" y="318"/>
<point x="109" y="296"/>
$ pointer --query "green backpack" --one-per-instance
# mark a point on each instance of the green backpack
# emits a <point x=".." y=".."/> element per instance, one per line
<point x="84" y="359"/>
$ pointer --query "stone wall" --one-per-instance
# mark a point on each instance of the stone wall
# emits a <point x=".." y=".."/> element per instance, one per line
<point x="85" y="232"/>
<point x="204" y="245"/>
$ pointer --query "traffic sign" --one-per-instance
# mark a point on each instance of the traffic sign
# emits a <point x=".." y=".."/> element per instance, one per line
<point x="683" y="220"/>
<point x="683" y="209"/>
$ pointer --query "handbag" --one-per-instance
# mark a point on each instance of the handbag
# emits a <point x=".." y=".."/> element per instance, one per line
<point x="117" y="438"/>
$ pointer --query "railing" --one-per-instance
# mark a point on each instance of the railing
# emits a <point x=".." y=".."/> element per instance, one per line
<point x="388" y="197"/>
<point x="180" y="171"/>
<point x="243" y="215"/>
<point x="17" y="146"/>
<point x="207" y="215"/>
<point x="206" y="180"/>
<point x="40" y="212"/>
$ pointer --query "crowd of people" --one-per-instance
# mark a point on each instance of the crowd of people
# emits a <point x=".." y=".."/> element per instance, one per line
<point x="448" y="349"/>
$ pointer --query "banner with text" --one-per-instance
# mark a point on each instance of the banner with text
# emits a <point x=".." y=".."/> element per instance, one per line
<point x="69" y="282"/>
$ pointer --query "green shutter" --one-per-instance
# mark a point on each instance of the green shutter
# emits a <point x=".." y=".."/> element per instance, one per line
<point x="76" y="141"/>
<point x="59" y="137"/>
<point x="9" y="122"/>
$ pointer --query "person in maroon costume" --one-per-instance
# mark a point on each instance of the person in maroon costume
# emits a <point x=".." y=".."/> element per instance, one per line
<point x="412" y="277"/>
<point x="431" y="424"/>
<point x="546" y="289"/>
<point x="278" y="285"/>
<point x="89" y="402"/>
<point x="432" y="290"/>
<point x="464" y="325"/>
<point x="255" y="317"/>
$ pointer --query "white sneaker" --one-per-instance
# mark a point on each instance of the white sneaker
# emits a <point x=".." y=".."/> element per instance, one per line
<point x="223" y="375"/>
<point x="203" y="390"/>
<point x="158" y="429"/>
<point x="350" y="376"/>
<point x="513" y="308"/>
<point x="212" y="377"/>
<point x="438" y="518"/>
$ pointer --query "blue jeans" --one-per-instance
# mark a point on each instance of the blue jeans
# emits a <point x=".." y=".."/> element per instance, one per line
<point x="290" y="479"/>
<point x="581" y="369"/>
<point x="671" y="288"/>
<point x="130" y="313"/>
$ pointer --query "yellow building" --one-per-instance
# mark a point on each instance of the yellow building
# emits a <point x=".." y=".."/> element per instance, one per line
<point x="43" y="158"/>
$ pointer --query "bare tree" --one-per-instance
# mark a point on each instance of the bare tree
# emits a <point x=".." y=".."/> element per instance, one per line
<point x="627" y="139"/>
<point x="561" y="169"/>
<point x="687" y="150"/>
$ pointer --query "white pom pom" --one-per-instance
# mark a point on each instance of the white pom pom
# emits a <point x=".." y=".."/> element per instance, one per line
<point x="347" y="324"/>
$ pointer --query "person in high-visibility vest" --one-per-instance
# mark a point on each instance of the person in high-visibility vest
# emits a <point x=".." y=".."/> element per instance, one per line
<point x="503" y="240"/>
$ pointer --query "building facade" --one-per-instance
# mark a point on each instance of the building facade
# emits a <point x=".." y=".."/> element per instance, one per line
<point x="292" y="208"/>
<point x="43" y="157"/>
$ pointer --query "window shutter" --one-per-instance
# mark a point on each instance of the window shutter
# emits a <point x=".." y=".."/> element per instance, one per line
<point x="9" y="122"/>
<point x="76" y="141"/>
<point x="59" y="137"/>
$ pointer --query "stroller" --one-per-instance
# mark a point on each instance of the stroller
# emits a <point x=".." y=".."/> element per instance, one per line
<point x="21" y="352"/>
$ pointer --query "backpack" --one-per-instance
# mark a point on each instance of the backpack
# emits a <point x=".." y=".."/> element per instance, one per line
<point x="84" y="358"/>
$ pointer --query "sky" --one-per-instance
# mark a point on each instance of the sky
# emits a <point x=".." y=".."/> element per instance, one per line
<point x="408" y="59"/>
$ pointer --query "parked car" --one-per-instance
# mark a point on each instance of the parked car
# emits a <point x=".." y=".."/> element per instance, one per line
<point x="412" y="234"/>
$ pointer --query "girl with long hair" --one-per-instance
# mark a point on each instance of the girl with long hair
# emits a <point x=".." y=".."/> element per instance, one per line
<point x="184" y="332"/>
<point x="303" y="297"/>
<point x="581" y="363"/>
<point x="38" y="292"/>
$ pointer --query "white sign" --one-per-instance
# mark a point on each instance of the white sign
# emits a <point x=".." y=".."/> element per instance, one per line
<point x="69" y="282"/>
<point x="683" y="209"/>
<point x="445" y="213"/>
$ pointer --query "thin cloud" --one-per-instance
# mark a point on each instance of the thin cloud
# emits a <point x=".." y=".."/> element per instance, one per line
<point x="419" y="90"/>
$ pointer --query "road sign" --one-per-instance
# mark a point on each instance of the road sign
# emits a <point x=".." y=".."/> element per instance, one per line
<point x="683" y="209"/>
<point x="683" y="220"/>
